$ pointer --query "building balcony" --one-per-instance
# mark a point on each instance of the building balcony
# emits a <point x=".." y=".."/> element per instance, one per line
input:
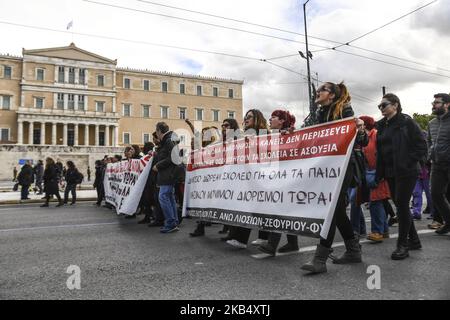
<point x="68" y="112"/>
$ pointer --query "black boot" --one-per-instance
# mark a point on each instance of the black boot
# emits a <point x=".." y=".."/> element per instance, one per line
<point x="352" y="253"/>
<point x="400" y="253"/>
<point x="319" y="263"/>
<point x="288" y="247"/>
<point x="60" y="204"/>
<point x="199" y="231"/>
<point x="414" y="244"/>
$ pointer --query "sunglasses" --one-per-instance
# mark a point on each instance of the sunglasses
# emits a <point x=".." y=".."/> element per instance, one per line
<point x="383" y="105"/>
<point x="323" y="89"/>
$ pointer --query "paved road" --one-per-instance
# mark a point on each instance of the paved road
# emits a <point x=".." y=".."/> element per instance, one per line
<point x="120" y="259"/>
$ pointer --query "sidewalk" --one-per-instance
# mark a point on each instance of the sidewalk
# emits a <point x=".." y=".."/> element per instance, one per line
<point x="13" y="197"/>
<point x="7" y="186"/>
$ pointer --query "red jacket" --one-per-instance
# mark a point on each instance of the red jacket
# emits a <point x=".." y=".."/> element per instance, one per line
<point x="382" y="191"/>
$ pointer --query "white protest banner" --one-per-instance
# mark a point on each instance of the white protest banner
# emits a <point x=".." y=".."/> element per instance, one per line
<point x="124" y="183"/>
<point x="286" y="183"/>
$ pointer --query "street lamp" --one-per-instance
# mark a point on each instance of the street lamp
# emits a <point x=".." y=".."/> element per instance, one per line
<point x="308" y="55"/>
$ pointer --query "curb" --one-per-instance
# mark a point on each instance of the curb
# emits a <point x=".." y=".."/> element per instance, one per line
<point x="40" y="201"/>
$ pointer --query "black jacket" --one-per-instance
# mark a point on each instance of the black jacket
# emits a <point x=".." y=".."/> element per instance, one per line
<point x="72" y="176"/>
<point x="165" y="165"/>
<point x="26" y="176"/>
<point x="39" y="172"/>
<point x="408" y="145"/>
<point x="439" y="140"/>
<point x="99" y="176"/>
<point x="51" y="179"/>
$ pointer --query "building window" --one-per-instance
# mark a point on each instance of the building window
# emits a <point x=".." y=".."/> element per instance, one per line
<point x="7" y="71"/>
<point x="199" y="114"/>
<point x="146" y="85"/>
<point x="146" y="111"/>
<point x="100" y="80"/>
<point x="216" y="115"/>
<point x="71" y="102"/>
<point x="127" y="110"/>
<point x="164" y="87"/>
<point x="100" y="106"/>
<point x="40" y="74"/>
<point x="4" y="134"/>
<point x="5" y="102"/>
<point x="82" y="76"/>
<point x="182" y="113"/>
<point x="80" y="102"/>
<point x="126" y="138"/>
<point x="146" y="138"/>
<point x="165" y="112"/>
<point x="126" y="83"/>
<point x="61" y="74"/>
<point x="199" y="90"/>
<point x="72" y="75"/>
<point x="60" y="101"/>
<point x="215" y="92"/>
<point x="39" y="102"/>
<point x="182" y="88"/>
<point x="230" y="93"/>
<point x="231" y="114"/>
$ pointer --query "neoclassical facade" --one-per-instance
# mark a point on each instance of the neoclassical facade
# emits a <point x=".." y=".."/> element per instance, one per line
<point x="71" y="97"/>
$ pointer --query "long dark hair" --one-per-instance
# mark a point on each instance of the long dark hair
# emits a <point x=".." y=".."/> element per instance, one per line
<point x="392" y="98"/>
<point x="259" y="120"/>
<point x="70" y="164"/>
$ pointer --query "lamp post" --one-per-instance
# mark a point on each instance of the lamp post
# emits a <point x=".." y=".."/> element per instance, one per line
<point x="307" y="57"/>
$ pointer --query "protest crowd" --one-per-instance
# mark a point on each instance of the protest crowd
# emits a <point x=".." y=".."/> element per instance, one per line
<point x="392" y="163"/>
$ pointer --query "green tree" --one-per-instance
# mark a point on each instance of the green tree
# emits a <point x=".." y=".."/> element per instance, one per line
<point x="423" y="119"/>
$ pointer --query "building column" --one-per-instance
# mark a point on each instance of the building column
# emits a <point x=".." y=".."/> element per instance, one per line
<point x="116" y="136"/>
<point x="65" y="129"/>
<point x="20" y="132"/>
<point x="30" y="132"/>
<point x="54" y="132"/>
<point x="107" y="135"/>
<point x="66" y="74"/>
<point x="77" y="75"/>
<point x="42" y="133"/>
<point x="75" y="143"/>
<point x="97" y="134"/>
<point x="86" y="75"/>
<point x="86" y="134"/>
<point x="66" y="101"/>
<point x="75" y="102"/>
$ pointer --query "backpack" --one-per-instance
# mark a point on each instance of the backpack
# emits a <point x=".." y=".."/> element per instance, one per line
<point x="80" y="178"/>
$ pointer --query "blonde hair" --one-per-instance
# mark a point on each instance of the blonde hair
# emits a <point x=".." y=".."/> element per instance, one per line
<point x="341" y="99"/>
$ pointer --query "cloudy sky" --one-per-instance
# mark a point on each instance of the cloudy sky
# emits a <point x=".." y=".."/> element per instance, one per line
<point x="420" y="40"/>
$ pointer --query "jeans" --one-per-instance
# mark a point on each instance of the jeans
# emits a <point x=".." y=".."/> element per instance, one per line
<point x="421" y="186"/>
<point x="24" y="192"/>
<point x="401" y="191"/>
<point x="379" y="219"/>
<point x="168" y="205"/>
<point x="440" y="177"/>
<point x="72" y="189"/>
<point x="356" y="214"/>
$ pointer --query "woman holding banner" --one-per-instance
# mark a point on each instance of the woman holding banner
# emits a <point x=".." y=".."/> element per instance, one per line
<point x="254" y="124"/>
<point x="283" y="121"/>
<point x="334" y="104"/>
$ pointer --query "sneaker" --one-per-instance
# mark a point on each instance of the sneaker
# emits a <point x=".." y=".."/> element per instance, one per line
<point x="444" y="229"/>
<point x="288" y="248"/>
<point x="392" y="221"/>
<point x="259" y="242"/>
<point x="169" y="230"/>
<point x="434" y="225"/>
<point x="375" y="237"/>
<point x="237" y="244"/>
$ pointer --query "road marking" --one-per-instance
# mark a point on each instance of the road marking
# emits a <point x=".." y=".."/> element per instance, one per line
<point x="63" y="226"/>
<point x="335" y="245"/>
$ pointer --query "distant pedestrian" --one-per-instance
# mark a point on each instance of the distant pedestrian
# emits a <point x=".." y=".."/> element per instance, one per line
<point x="14" y="174"/>
<point x="51" y="182"/>
<point x="98" y="182"/>
<point x="89" y="173"/>
<point x="25" y="179"/>
<point x="38" y="172"/>
<point x="73" y="177"/>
